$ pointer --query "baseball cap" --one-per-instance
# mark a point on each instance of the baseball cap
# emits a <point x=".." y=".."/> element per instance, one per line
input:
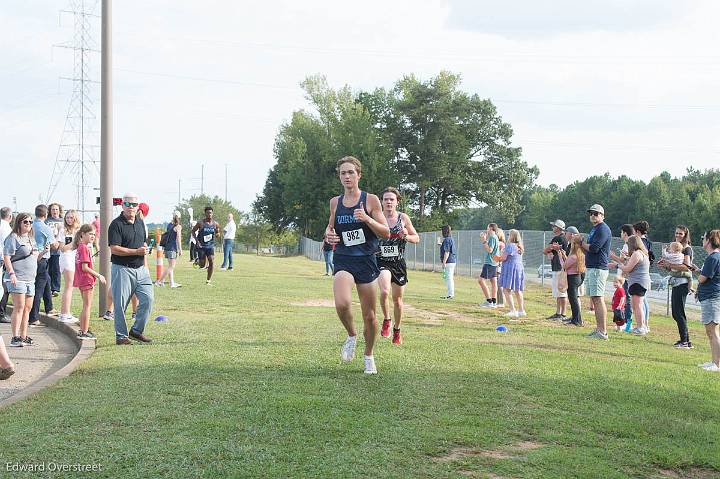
<point x="571" y="229"/>
<point x="597" y="208"/>
<point x="144" y="208"/>
<point x="559" y="224"/>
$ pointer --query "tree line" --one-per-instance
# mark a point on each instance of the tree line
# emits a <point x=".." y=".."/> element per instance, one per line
<point x="664" y="202"/>
<point x="440" y="146"/>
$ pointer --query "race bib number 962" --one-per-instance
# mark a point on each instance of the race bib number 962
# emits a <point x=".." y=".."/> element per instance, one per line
<point x="353" y="237"/>
<point x="207" y="238"/>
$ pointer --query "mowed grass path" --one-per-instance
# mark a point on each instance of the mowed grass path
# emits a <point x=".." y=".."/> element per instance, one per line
<point x="245" y="380"/>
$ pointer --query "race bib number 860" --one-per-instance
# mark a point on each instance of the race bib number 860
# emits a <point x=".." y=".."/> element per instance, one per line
<point x="353" y="237"/>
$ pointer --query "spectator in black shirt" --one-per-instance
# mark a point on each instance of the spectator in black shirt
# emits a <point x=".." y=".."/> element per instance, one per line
<point x="556" y="244"/>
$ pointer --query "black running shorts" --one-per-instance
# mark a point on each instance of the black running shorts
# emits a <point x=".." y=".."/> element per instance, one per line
<point x="364" y="269"/>
<point x="398" y="270"/>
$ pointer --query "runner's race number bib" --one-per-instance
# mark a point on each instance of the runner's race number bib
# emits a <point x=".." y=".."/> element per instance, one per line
<point x="353" y="237"/>
<point x="207" y="238"/>
<point x="389" y="251"/>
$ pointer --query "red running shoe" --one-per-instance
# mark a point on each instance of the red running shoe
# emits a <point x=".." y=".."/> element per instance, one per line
<point x="385" y="331"/>
<point x="396" y="337"/>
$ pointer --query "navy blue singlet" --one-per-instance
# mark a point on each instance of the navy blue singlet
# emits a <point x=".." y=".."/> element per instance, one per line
<point x="356" y="237"/>
<point x="206" y="235"/>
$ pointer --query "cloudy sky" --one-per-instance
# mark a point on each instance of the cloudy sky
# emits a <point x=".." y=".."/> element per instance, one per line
<point x="589" y="87"/>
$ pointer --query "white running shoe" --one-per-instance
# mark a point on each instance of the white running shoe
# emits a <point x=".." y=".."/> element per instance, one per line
<point x="176" y="285"/>
<point x="223" y="268"/>
<point x="159" y="284"/>
<point x="347" y="353"/>
<point x="705" y="365"/>
<point x="522" y="314"/>
<point x="713" y="367"/>
<point x="511" y="314"/>
<point x="68" y="318"/>
<point x="486" y="305"/>
<point x="370" y="365"/>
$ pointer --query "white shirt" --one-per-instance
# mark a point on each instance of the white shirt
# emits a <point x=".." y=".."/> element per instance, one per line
<point x="229" y="230"/>
<point x="5" y="231"/>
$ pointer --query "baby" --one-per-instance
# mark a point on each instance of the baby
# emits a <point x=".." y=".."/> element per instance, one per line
<point x="673" y="253"/>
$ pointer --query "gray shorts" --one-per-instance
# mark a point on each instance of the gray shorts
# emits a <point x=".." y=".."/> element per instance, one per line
<point x="170" y="254"/>
<point x="710" y="311"/>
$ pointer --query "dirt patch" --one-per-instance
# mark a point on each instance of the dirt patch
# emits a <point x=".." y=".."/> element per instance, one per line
<point x="690" y="473"/>
<point x="316" y="303"/>
<point x="528" y="445"/>
<point x="437" y="317"/>
<point x="512" y="451"/>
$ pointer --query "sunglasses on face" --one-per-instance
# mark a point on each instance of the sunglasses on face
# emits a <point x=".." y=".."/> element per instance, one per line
<point x="128" y="204"/>
<point x="594" y="213"/>
<point x="27" y="222"/>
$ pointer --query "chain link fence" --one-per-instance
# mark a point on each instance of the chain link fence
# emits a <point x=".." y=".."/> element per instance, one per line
<point x="425" y="256"/>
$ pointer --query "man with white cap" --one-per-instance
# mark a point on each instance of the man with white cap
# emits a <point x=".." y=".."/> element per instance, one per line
<point x="597" y="248"/>
<point x="557" y="243"/>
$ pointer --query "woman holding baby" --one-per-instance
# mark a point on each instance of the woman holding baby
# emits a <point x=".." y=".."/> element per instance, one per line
<point x="681" y="281"/>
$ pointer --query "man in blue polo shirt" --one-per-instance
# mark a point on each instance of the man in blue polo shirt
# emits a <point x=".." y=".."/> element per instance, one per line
<point x="597" y="248"/>
<point x="45" y="239"/>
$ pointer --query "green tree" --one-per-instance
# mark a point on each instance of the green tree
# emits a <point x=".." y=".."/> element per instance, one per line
<point x="220" y="207"/>
<point x="449" y="147"/>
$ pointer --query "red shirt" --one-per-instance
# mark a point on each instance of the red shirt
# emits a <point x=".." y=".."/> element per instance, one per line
<point x="618" y="301"/>
<point x="82" y="279"/>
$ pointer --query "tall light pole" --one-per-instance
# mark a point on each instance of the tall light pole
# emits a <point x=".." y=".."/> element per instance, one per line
<point x="106" y="147"/>
<point x="226" y="182"/>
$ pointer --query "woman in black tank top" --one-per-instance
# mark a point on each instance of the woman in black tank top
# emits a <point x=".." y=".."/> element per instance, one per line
<point x="352" y="268"/>
<point x="391" y="260"/>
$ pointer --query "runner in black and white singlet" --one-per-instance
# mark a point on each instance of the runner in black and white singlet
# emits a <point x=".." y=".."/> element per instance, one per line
<point x="356" y="221"/>
<point x="205" y="232"/>
<point x="391" y="261"/>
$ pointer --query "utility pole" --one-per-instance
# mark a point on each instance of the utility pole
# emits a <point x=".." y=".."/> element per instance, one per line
<point x="106" y="147"/>
<point x="202" y="179"/>
<point x="226" y="182"/>
<point x="179" y="180"/>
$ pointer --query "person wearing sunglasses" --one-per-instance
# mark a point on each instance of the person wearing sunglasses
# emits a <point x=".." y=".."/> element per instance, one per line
<point x="597" y="259"/>
<point x="20" y="257"/>
<point x="126" y="237"/>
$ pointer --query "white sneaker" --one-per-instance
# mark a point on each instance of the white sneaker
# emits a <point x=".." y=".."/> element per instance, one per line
<point x="486" y="305"/>
<point x="68" y="318"/>
<point x="222" y="268"/>
<point x="370" y="365"/>
<point x="713" y="367"/>
<point x="176" y="285"/>
<point x="705" y="365"/>
<point x="511" y="314"/>
<point x="347" y="353"/>
<point x="159" y="284"/>
<point x="521" y="314"/>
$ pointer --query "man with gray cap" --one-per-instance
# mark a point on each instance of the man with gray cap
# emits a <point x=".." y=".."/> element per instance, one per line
<point x="597" y="248"/>
<point x="557" y="243"/>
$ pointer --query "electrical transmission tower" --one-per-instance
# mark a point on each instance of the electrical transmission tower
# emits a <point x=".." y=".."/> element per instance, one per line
<point x="76" y="155"/>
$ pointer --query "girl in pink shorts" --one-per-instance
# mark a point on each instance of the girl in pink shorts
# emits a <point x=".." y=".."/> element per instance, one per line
<point x="85" y="276"/>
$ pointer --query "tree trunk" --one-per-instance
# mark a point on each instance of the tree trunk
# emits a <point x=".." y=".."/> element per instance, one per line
<point x="422" y="203"/>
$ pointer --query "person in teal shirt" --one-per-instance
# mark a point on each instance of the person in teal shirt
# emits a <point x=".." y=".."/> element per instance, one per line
<point x="488" y="275"/>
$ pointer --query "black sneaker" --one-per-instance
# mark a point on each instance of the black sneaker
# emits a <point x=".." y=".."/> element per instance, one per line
<point x="5" y="319"/>
<point x="689" y="345"/>
<point x="28" y="341"/>
<point x="87" y="335"/>
<point x="554" y="317"/>
<point x="17" y="342"/>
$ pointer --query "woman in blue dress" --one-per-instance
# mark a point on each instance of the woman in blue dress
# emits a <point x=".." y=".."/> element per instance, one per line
<point x="512" y="275"/>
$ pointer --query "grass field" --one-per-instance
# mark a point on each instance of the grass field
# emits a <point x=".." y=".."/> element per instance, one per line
<point x="245" y="380"/>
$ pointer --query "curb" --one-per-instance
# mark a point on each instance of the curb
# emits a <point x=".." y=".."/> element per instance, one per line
<point x="84" y="349"/>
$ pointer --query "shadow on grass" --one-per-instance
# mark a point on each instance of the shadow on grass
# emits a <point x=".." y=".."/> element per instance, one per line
<point x="220" y="419"/>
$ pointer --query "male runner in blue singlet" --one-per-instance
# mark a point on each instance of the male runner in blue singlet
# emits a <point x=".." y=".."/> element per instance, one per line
<point x="356" y="221"/>
<point x="205" y="232"/>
